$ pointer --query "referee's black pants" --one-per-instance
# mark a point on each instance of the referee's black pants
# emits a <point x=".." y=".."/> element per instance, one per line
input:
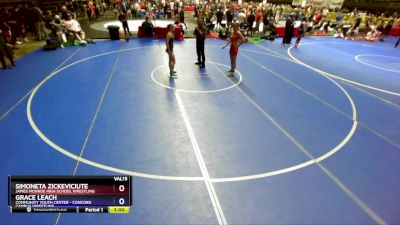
<point x="201" y="57"/>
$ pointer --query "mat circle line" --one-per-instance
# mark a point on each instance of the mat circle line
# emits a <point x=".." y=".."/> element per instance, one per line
<point x="195" y="91"/>
<point x="358" y="58"/>
<point x="175" y="178"/>
<point x="336" y="76"/>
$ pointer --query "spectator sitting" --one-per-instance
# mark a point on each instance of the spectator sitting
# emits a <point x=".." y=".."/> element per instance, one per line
<point x="319" y="25"/>
<point x="74" y="29"/>
<point x="270" y="32"/>
<point x="397" y="23"/>
<point x="57" y="23"/>
<point x="53" y="25"/>
<point x="356" y="26"/>
<point x="147" y="27"/>
<point x="374" y="34"/>
<point x="318" y="17"/>
<point x="179" y="25"/>
<point x="325" y="27"/>
<point x="380" y="28"/>
<point x="339" y="32"/>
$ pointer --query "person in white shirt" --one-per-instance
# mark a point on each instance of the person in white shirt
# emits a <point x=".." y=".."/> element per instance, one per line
<point x="325" y="11"/>
<point x="74" y="28"/>
<point x="241" y="17"/>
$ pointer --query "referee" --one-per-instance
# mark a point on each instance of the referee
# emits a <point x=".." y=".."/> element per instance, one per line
<point x="200" y="33"/>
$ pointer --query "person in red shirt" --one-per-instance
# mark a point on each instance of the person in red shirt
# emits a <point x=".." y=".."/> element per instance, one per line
<point x="236" y="40"/>
<point x="92" y="10"/>
<point x="318" y="17"/>
<point x="259" y="18"/>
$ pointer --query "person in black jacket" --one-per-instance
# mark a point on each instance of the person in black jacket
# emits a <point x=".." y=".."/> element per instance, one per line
<point x="124" y="20"/>
<point x="182" y="16"/>
<point x="265" y="22"/>
<point x="289" y="28"/>
<point x="200" y="32"/>
<point x="5" y="51"/>
<point x="148" y="27"/>
<point x="229" y="18"/>
<point x="38" y="22"/>
<point x="220" y="15"/>
<point x="302" y="30"/>
<point x="250" y="21"/>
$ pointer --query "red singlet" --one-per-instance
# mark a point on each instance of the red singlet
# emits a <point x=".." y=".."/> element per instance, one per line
<point x="235" y="38"/>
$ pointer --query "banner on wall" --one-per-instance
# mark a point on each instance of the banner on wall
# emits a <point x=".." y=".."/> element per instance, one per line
<point x="336" y="4"/>
<point x="317" y="3"/>
<point x="332" y="4"/>
<point x="296" y="2"/>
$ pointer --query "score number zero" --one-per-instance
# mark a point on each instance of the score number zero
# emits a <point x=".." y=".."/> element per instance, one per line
<point x="121" y="188"/>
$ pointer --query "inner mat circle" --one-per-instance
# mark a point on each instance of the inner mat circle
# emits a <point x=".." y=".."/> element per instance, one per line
<point x="187" y="75"/>
<point x="391" y="64"/>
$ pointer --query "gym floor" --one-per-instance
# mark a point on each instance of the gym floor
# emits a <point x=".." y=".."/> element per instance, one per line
<point x="306" y="135"/>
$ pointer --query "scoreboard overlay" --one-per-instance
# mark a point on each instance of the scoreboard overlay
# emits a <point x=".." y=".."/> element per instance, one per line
<point x="69" y="194"/>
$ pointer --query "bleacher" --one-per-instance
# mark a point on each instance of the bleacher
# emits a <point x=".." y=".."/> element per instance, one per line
<point x="44" y="5"/>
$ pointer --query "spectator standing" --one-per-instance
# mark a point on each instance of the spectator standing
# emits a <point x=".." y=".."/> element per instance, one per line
<point x="92" y="10"/>
<point x="266" y="21"/>
<point x="241" y="17"/>
<point x="124" y="20"/>
<point x="259" y="18"/>
<point x="96" y="10"/>
<point x="229" y="17"/>
<point x="250" y="22"/>
<point x="339" y="18"/>
<point x="17" y="25"/>
<point x="220" y="15"/>
<point x="37" y="17"/>
<point x="5" y="51"/>
<point x="278" y="15"/>
<point x="123" y="6"/>
<point x="182" y="16"/>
